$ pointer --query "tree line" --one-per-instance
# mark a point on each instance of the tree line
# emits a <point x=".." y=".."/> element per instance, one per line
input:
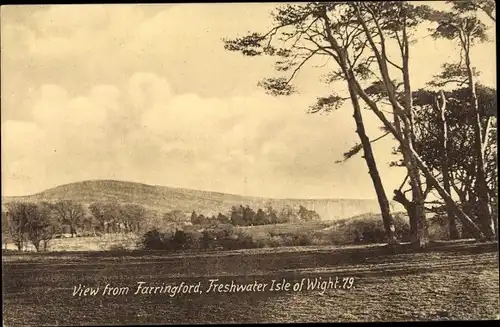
<point x="445" y="132"/>
<point x="246" y="216"/>
<point x="39" y="223"/>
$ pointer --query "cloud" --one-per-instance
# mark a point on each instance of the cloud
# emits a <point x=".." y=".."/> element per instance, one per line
<point x="55" y="109"/>
<point x="148" y="93"/>
<point x="177" y="139"/>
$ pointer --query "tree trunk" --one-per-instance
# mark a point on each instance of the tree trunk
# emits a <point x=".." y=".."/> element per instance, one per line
<point x="410" y="209"/>
<point x="483" y="205"/>
<point x="416" y="161"/>
<point x="421" y="238"/>
<point x="466" y="221"/>
<point x="416" y="211"/>
<point x="36" y="245"/>
<point x="441" y="106"/>
<point x="383" y="202"/>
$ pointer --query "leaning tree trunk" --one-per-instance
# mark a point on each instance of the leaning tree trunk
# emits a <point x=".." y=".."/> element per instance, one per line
<point x="465" y="220"/>
<point x="383" y="202"/>
<point x="484" y="211"/>
<point x="441" y="106"/>
<point x="419" y="162"/>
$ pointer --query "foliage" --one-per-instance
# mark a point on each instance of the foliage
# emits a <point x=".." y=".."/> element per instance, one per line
<point x="30" y="222"/>
<point x="70" y="213"/>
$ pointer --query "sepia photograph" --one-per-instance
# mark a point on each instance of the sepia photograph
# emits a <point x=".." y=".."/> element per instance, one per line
<point x="270" y="162"/>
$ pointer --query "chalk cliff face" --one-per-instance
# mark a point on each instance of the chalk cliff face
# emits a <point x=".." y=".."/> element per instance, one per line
<point x="162" y="199"/>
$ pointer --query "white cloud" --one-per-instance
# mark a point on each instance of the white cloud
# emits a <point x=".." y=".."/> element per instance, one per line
<point x="55" y="109"/>
<point x="216" y="141"/>
<point x="118" y="92"/>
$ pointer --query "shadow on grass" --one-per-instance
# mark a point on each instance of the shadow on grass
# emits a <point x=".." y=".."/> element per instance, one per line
<point x="461" y="246"/>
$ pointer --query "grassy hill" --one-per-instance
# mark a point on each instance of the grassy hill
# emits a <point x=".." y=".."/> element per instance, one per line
<point x="162" y="199"/>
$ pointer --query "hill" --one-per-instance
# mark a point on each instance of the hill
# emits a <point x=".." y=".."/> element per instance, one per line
<point x="162" y="199"/>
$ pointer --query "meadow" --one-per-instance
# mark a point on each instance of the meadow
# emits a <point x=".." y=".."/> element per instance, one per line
<point x="322" y="232"/>
<point x="450" y="280"/>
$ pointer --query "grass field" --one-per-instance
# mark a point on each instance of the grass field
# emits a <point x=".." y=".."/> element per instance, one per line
<point x="456" y="280"/>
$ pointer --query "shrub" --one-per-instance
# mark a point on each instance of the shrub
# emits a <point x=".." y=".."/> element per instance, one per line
<point x="438" y="227"/>
<point x="208" y="239"/>
<point x="152" y="240"/>
<point x="363" y="229"/>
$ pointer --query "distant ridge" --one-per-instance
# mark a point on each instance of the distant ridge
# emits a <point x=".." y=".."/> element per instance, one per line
<point x="161" y="199"/>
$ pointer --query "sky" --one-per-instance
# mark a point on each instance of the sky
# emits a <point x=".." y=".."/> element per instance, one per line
<point x="147" y="93"/>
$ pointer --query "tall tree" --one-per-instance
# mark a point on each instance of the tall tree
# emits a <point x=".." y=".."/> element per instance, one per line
<point x="133" y="215"/>
<point x="327" y="28"/>
<point x="440" y="105"/>
<point x="381" y="23"/>
<point x="488" y="7"/>
<point x="237" y="215"/>
<point x="459" y="149"/>
<point x="303" y="30"/>
<point x="40" y="226"/>
<point x="69" y="212"/>
<point x="19" y="214"/>
<point x="97" y="210"/>
<point x="468" y="30"/>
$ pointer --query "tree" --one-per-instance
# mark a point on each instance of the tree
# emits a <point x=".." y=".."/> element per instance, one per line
<point x="467" y="30"/>
<point x="133" y="216"/>
<point x="486" y="6"/>
<point x="97" y="209"/>
<point x="40" y="226"/>
<point x="202" y="220"/>
<point x="237" y="218"/>
<point x="19" y="214"/>
<point x="342" y="31"/>
<point x="303" y="30"/>
<point x="30" y="222"/>
<point x="261" y="218"/>
<point x="272" y="214"/>
<point x="445" y="161"/>
<point x="89" y="224"/>
<point x="175" y="217"/>
<point x="5" y="230"/>
<point x="248" y="216"/>
<point x="223" y="219"/>
<point x="179" y="240"/>
<point x="459" y="151"/>
<point x="69" y="212"/>
<point x="194" y="218"/>
<point x="308" y="215"/>
<point x="287" y="215"/>
<point x="107" y="214"/>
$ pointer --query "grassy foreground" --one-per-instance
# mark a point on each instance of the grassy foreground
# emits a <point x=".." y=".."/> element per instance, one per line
<point x="456" y="280"/>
